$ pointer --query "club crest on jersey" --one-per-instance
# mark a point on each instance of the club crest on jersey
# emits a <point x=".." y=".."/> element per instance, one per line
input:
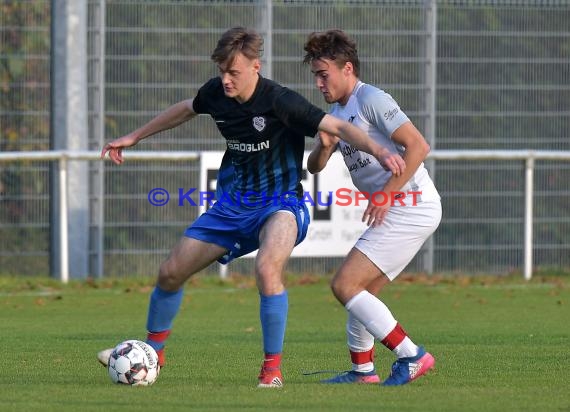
<point x="259" y="123"/>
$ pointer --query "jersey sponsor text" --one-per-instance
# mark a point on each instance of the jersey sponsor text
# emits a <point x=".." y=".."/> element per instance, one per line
<point x="248" y="147"/>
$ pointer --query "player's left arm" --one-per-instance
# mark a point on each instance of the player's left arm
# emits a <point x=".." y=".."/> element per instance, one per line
<point x="325" y="145"/>
<point x="417" y="149"/>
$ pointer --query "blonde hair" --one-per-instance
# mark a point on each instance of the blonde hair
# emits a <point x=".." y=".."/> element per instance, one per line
<point x="238" y="40"/>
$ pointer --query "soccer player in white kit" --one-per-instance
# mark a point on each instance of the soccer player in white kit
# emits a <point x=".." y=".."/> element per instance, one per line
<point x="403" y="211"/>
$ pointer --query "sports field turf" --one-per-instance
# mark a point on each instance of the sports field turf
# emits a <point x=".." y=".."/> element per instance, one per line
<point x="500" y="345"/>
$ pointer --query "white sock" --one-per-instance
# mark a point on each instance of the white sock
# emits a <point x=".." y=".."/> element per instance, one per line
<point x="406" y="349"/>
<point x="359" y="340"/>
<point x="372" y="313"/>
<point x="379" y="321"/>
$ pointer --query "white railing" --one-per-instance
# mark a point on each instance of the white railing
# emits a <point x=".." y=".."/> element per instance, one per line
<point x="63" y="157"/>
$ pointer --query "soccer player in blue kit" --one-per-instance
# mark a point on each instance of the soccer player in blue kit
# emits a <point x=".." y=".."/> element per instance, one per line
<point x="397" y="228"/>
<point x="258" y="188"/>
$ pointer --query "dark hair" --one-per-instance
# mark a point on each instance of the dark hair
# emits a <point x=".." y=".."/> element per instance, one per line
<point x="238" y="40"/>
<point x="334" y="45"/>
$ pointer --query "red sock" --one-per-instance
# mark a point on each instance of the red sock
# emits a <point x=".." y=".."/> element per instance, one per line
<point x="272" y="361"/>
<point x="395" y="337"/>
<point x="161" y="357"/>
<point x="156" y="340"/>
<point x="359" y="358"/>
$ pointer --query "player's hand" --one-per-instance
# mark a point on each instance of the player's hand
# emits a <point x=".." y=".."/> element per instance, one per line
<point x="115" y="148"/>
<point x="327" y="139"/>
<point x="392" y="162"/>
<point x="374" y="215"/>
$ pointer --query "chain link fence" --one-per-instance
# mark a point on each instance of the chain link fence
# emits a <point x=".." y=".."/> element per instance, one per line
<point x="470" y="74"/>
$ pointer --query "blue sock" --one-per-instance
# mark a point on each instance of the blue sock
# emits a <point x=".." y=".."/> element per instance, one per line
<point x="162" y="310"/>
<point x="273" y="314"/>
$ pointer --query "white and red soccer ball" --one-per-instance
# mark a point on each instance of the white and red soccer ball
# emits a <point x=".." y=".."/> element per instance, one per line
<point x="133" y="362"/>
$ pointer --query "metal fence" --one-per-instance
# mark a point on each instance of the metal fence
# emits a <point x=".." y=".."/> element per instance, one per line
<point x="63" y="159"/>
<point x="492" y="75"/>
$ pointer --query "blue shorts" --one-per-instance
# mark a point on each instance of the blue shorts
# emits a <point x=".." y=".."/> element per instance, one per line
<point x="238" y="229"/>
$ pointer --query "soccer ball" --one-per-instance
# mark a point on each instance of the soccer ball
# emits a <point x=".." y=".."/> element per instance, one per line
<point x="134" y="363"/>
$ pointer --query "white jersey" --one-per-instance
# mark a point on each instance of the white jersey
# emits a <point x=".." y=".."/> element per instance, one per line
<point x="378" y="114"/>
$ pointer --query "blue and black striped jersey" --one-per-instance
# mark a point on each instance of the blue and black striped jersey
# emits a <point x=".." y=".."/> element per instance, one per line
<point x="265" y="139"/>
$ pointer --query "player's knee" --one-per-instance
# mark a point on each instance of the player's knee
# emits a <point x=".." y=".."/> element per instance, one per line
<point x="336" y="287"/>
<point x="168" y="278"/>
<point x="343" y="289"/>
<point x="269" y="280"/>
<point x="267" y="271"/>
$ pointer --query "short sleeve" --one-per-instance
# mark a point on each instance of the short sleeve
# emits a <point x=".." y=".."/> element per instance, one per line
<point x="200" y="101"/>
<point x="381" y="110"/>
<point x="297" y="112"/>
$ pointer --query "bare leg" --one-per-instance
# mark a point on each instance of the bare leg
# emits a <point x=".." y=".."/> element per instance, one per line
<point x="357" y="273"/>
<point x="186" y="258"/>
<point x="277" y="239"/>
<point x="356" y="285"/>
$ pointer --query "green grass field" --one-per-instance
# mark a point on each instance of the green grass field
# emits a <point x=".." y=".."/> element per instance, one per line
<point x="500" y="345"/>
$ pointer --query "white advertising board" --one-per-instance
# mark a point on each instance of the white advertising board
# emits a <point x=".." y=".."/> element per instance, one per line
<point x="330" y="197"/>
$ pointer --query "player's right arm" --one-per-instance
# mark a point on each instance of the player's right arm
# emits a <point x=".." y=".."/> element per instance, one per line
<point x="325" y="145"/>
<point x="361" y="141"/>
<point x="174" y="116"/>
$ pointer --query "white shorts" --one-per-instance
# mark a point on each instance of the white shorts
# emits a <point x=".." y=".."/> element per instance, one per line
<point x="392" y="245"/>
